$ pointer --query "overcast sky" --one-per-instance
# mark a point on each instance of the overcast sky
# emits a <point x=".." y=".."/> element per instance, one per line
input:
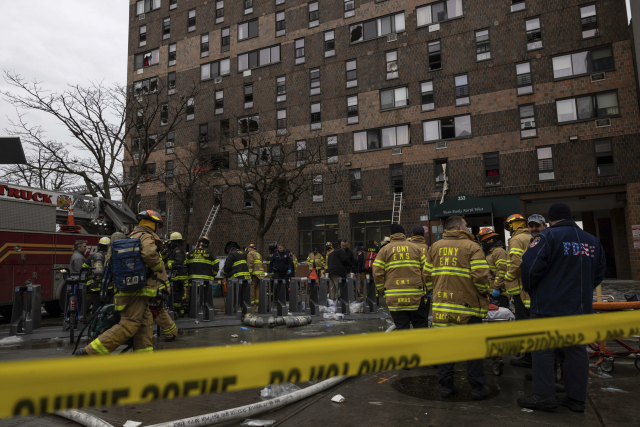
<point x="63" y="41"/>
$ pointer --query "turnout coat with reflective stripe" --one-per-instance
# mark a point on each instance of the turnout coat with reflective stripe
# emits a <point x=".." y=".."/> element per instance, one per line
<point x="457" y="275"/>
<point x="315" y="261"/>
<point x="254" y="263"/>
<point x="398" y="269"/>
<point x="176" y="260"/>
<point x="518" y="244"/>
<point x="235" y="267"/>
<point x="420" y="243"/>
<point x="203" y="264"/>
<point x="497" y="259"/>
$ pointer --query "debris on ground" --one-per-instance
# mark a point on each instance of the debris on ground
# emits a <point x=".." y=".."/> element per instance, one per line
<point x="277" y="390"/>
<point x="338" y="398"/>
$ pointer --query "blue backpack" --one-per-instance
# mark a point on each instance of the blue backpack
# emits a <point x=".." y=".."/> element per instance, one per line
<point x="126" y="268"/>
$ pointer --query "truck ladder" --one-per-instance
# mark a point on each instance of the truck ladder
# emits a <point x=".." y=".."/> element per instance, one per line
<point x="169" y="219"/>
<point x="397" y="208"/>
<point x="212" y="217"/>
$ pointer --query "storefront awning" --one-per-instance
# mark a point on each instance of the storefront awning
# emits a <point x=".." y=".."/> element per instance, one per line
<point x="463" y="204"/>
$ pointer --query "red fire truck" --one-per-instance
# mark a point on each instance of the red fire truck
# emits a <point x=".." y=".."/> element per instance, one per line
<point x="31" y="243"/>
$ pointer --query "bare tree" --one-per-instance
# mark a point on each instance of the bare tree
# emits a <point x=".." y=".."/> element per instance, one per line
<point x="103" y="121"/>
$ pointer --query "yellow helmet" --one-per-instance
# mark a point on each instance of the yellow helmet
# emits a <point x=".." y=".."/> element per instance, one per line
<point x="514" y="222"/>
<point x="105" y="241"/>
<point x="175" y="236"/>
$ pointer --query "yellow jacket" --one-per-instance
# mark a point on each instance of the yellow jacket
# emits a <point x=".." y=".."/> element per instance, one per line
<point x="254" y="262"/>
<point x="518" y="245"/>
<point x="398" y="269"/>
<point x="315" y="261"/>
<point x="497" y="259"/>
<point x="420" y="243"/>
<point x="156" y="274"/>
<point x="457" y="275"/>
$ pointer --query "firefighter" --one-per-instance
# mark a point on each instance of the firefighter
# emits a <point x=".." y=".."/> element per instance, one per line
<point x="236" y="267"/>
<point x="176" y="258"/>
<point x="256" y="270"/>
<point x="329" y="249"/>
<point x="202" y="263"/>
<point x="417" y="239"/>
<point x="158" y="304"/>
<point x="280" y="267"/>
<point x="136" y="319"/>
<point x="518" y="244"/>
<point x="315" y="260"/>
<point x="458" y="276"/>
<point x="385" y="242"/>
<point x="97" y="261"/>
<point x="496" y="256"/>
<point x="398" y="269"/>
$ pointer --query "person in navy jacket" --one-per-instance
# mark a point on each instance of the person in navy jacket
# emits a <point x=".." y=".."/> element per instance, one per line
<point x="560" y="270"/>
<point x="281" y="266"/>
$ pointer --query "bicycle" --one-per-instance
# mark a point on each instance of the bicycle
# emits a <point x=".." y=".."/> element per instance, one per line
<point x="75" y="303"/>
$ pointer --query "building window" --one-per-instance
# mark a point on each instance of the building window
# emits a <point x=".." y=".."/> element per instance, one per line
<point x="281" y="89"/>
<point x="447" y="128"/>
<point x="379" y="27"/>
<point x="349" y="8"/>
<point x="588" y="107"/>
<point x="148" y="169"/>
<point x="172" y="54"/>
<point x="191" y="109"/>
<point x="248" y="198"/>
<point x="225" y="129"/>
<point x="162" y="202"/>
<point x="248" y="125"/>
<point x="329" y="44"/>
<point x="314" y="75"/>
<point x="352" y="74"/>
<point x="435" y="56"/>
<point x="523" y="73"/>
<point x="143" y="35"/>
<point x="394" y="98"/>
<point x="164" y="114"/>
<point x="332" y="149"/>
<point x="392" y="64"/>
<point x="316" y="116"/>
<point x="315" y="232"/>
<point x="248" y="30"/>
<point x="225" y="39"/>
<point x="583" y="63"/>
<point x="166" y="28"/>
<point x="527" y="122"/>
<point x="462" y="90"/>
<point x="278" y="2"/>
<point x="534" y="34"/>
<point x="352" y="109"/>
<point x="381" y="138"/>
<point x="219" y="102"/>
<point x="397" y="177"/>
<point x="147" y="59"/>
<point x="299" y="51"/>
<point x="219" y="11"/>
<point x="356" y="184"/>
<point x="144" y="87"/>
<point x="301" y="152"/>
<point x="168" y="171"/>
<point x="215" y="69"/>
<point x="314" y="14"/>
<point x="170" y="144"/>
<point x="483" y="50"/>
<point x="171" y="82"/>
<point x="589" y="21"/>
<point x="427" y="96"/>
<point x="318" y="195"/>
<point x="545" y="164"/>
<point x="491" y="169"/>
<point x="604" y="157"/>
<point x="438" y="12"/>
<point x="248" y="96"/>
<point x="144" y="6"/>
<point x="259" y="58"/>
<point x="517" y="5"/>
<point x="281" y="122"/>
<point x="204" y="45"/>
<point x="173" y="4"/>
<point x="440" y="171"/>
<point x="191" y="21"/>
<point x="248" y="7"/>
<point x="203" y="135"/>
<point x="370" y="226"/>
<point x="280" y="24"/>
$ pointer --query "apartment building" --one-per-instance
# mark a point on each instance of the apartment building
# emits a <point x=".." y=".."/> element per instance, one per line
<point x="476" y="107"/>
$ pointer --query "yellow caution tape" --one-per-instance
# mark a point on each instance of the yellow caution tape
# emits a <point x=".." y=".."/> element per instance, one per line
<point x="35" y="387"/>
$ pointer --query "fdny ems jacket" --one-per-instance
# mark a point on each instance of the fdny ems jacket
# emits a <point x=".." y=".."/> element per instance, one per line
<point x="420" y="243"/>
<point x="518" y="244"/>
<point x="176" y="261"/>
<point x="235" y="267"/>
<point x="398" y="269"/>
<point x="203" y="264"/>
<point x="315" y="261"/>
<point x="457" y="275"/>
<point x="280" y="262"/>
<point x="497" y="260"/>
<point x="254" y="262"/>
<point x="561" y="268"/>
<point x="156" y="275"/>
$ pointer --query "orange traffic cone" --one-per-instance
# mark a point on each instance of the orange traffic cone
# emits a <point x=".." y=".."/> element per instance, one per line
<point x="71" y="226"/>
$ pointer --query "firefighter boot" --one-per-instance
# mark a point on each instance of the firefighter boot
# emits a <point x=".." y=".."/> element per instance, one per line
<point x="479" y="391"/>
<point x="448" y="388"/>
<point x="538" y="402"/>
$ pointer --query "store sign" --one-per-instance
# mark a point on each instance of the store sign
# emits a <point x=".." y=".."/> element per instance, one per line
<point x="61" y="201"/>
<point x="463" y="204"/>
<point x="424" y="217"/>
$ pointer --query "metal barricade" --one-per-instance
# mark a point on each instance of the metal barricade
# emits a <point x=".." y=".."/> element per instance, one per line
<point x="296" y="296"/>
<point x="280" y="296"/>
<point x="369" y="299"/>
<point x="244" y="297"/>
<point x="323" y="288"/>
<point x="264" y="302"/>
<point x="231" y="297"/>
<point x="26" y="315"/>
<point x="345" y="290"/>
<point x="313" y="309"/>
<point x="201" y="304"/>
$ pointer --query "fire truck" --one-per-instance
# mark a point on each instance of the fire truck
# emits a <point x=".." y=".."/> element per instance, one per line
<point x="32" y="242"/>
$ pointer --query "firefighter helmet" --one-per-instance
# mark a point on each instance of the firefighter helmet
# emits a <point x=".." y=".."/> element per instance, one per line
<point x="152" y="216"/>
<point x="329" y="245"/>
<point x="105" y="241"/>
<point x="486" y="233"/>
<point x="175" y="236"/>
<point x="229" y="246"/>
<point x="252" y="246"/>
<point x="514" y="219"/>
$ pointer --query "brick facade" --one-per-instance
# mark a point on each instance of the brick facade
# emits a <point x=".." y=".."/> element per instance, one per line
<point x="494" y="103"/>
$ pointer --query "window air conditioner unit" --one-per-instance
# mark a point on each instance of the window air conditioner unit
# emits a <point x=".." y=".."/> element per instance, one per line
<point x="441" y="144"/>
<point x="142" y="16"/>
<point x="392" y="37"/>
<point x="217" y="80"/>
<point x="598" y="77"/>
<point x="136" y="156"/>
<point x="528" y="125"/>
<point x="603" y="123"/>
<point x="441" y="178"/>
<point x="396" y="150"/>
<point x="246" y="73"/>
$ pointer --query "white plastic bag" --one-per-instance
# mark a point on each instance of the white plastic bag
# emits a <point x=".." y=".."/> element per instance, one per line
<point x="324" y="309"/>
<point x="331" y="303"/>
<point x="356" y="307"/>
<point x="277" y="390"/>
<point x="249" y="422"/>
<point x="501" y="314"/>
